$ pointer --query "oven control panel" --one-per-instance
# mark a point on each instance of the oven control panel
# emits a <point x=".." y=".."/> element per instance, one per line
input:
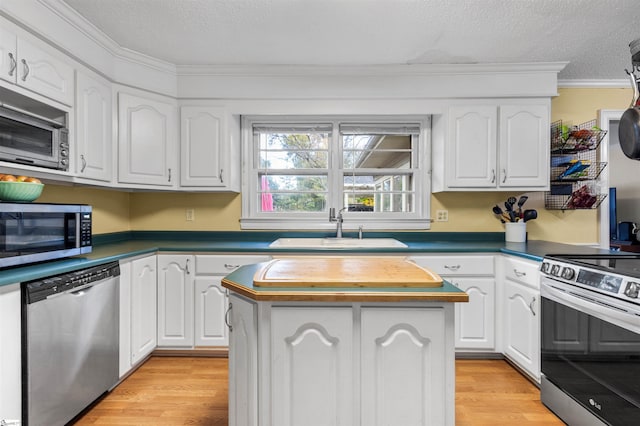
<point x="612" y="284"/>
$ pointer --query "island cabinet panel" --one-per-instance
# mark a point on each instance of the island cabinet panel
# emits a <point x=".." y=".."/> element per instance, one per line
<point x="304" y="363"/>
<point x="243" y="363"/>
<point x="312" y="366"/>
<point x="175" y="300"/>
<point x="402" y="379"/>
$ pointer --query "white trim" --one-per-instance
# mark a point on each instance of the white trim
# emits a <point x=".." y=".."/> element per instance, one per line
<point x="604" y="117"/>
<point x="599" y="84"/>
<point x="252" y="218"/>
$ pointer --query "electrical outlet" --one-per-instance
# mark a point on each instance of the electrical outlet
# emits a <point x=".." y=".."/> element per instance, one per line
<point x="442" y="215"/>
<point x="190" y="215"/>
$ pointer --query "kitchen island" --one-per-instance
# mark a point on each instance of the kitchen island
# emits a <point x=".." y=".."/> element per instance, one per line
<point x="319" y="352"/>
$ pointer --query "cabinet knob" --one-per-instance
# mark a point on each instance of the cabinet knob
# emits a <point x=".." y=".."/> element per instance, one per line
<point x="531" y="306"/>
<point x="493" y="175"/>
<point x="452" y="267"/>
<point x="220" y="176"/>
<point x="504" y="175"/>
<point x="84" y="163"/>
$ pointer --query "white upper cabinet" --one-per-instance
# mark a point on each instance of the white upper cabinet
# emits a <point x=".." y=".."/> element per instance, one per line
<point x="471" y="154"/>
<point x="494" y="147"/>
<point x="147" y="138"/>
<point x="204" y="147"/>
<point x="524" y="146"/>
<point x="35" y="67"/>
<point x="94" y="127"/>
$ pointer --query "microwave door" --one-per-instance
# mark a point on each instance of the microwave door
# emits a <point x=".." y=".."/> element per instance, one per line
<point x="28" y="143"/>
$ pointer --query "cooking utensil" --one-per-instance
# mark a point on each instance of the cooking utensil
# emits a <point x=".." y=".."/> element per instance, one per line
<point x="523" y="199"/>
<point x="499" y="213"/>
<point x="510" y="212"/>
<point x="629" y="127"/>
<point x="529" y="215"/>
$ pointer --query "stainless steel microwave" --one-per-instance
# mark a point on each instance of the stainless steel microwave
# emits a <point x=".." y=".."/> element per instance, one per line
<point x="34" y="232"/>
<point x="33" y="140"/>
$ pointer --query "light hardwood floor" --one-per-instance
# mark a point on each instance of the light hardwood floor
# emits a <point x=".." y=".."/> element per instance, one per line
<point x="193" y="391"/>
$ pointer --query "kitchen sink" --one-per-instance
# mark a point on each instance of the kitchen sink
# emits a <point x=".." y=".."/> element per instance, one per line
<point x="329" y="243"/>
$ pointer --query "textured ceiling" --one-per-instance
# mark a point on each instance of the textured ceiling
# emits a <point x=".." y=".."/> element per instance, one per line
<point x="592" y="35"/>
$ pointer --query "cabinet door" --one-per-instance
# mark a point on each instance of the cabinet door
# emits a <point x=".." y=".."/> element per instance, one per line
<point x="211" y="304"/>
<point x="243" y="363"/>
<point x="312" y="366"/>
<point x="125" y="317"/>
<point x="8" y="56"/>
<point x="94" y="127"/>
<point x="524" y="146"/>
<point x="43" y="73"/>
<point x="471" y="151"/>
<point x="406" y="352"/>
<point x="175" y="300"/>
<point x="10" y="352"/>
<point x="475" y="320"/>
<point x="522" y="326"/>
<point x="146" y="141"/>
<point x="143" y="308"/>
<point x="203" y="147"/>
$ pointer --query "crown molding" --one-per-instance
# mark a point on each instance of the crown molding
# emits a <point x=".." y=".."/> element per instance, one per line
<point x="86" y="28"/>
<point x="594" y="84"/>
<point x="370" y="70"/>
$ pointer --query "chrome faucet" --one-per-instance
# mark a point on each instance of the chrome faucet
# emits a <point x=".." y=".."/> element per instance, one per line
<point x="338" y="219"/>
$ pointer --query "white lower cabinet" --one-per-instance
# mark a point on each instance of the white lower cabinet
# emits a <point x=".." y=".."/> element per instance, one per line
<point x="175" y="300"/>
<point x="191" y="301"/>
<point x="10" y="353"/>
<point x="343" y="364"/>
<point x="475" y="321"/>
<point x="521" y="304"/>
<point x="138" y="311"/>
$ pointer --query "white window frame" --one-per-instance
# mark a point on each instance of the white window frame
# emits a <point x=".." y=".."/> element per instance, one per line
<point x="253" y="218"/>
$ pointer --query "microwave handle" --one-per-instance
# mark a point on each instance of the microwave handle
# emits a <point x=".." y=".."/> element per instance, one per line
<point x="55" y="123"/>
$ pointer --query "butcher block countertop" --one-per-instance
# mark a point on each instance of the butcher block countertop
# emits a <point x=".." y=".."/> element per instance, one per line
<point x="346" y="279"/>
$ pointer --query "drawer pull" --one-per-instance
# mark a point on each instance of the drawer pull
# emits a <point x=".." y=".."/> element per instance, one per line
<point x="452" y="267"/>
<point x="230" y="266"/>
<point x="226" y="317"/>
<point x="186" y="267"/>
<point x="531" y="306"/>
<point x="519" y="274"/>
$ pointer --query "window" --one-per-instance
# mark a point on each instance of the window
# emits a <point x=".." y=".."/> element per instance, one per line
<point x="297" y="168"/>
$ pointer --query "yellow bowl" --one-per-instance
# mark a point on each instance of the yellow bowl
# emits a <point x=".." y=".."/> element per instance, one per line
<point x="20" y="191"/>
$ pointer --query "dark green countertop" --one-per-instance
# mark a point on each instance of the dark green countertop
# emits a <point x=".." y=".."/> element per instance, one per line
<point x="112" y="247"/>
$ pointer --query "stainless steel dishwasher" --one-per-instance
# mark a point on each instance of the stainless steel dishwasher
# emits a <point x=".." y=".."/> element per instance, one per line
<point x="70" y="343"/>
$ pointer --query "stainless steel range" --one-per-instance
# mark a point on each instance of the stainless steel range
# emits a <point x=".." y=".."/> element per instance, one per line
<point x="590" y="344"/>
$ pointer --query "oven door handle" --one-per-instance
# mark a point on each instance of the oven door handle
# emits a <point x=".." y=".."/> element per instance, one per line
<point x="576" y="299"/>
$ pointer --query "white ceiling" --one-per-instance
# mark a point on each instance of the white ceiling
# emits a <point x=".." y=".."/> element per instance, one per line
<point x="593" y="35"/>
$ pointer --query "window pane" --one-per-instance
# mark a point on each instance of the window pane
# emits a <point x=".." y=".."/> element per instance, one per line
<point x="376" y="151"/>
<point x="379" y="193"/>
<point x="275" y="183"/>
<point x="292" y="193"/>
<point x="291" y="202"/>
<point x="293" y="160"/>
<point x="293" y="150"/>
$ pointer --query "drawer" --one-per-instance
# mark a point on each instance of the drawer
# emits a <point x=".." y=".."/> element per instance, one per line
<point x="223" y="265"/>
<point x="522" y="270"/>
<point x="457" y="265"/>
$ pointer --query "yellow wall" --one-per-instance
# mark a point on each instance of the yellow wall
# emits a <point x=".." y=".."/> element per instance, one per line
<point x="110" y="208"/>
<point x="468" y="211"/>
